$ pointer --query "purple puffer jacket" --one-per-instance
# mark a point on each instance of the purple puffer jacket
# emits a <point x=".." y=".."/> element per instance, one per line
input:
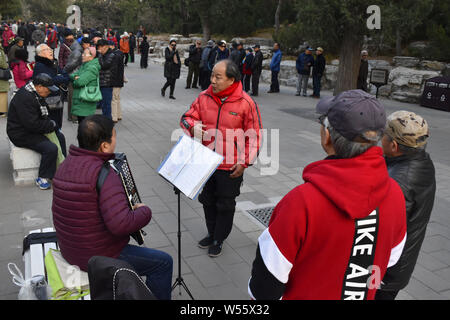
<point x="88" y="224"/>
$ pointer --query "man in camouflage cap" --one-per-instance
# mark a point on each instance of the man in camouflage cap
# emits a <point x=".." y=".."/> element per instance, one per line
<point x="404" y="143"/>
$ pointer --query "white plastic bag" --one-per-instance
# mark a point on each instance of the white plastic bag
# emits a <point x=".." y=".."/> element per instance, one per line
<point x="35" y="288"/>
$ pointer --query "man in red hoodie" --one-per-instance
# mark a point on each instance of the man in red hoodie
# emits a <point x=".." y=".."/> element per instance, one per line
<point x="228" y="121"/>
<point x="334" y="236"/>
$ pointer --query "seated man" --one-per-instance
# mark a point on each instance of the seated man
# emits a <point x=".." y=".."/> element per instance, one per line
<point x="28" y="121"/>
<point x="90" y="223"/>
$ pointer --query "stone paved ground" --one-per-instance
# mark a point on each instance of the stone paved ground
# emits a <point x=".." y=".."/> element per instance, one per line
<point x="145" y="136"/>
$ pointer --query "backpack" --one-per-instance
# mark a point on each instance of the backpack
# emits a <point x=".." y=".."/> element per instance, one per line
<point x="114" y="279"/>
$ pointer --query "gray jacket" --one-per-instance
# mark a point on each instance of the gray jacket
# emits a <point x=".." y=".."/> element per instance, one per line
<point x="38" y="36"/>
<point x="74" y="60"/>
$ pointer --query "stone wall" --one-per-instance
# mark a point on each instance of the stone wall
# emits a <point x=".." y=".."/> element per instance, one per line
<point x="407" y="75"/>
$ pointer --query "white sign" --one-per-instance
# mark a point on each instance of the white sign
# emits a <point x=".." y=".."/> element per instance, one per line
<point x="74" y="20"/>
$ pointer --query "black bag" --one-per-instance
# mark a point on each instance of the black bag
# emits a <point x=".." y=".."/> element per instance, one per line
<point x="114" y="279"/>
<point x="186" y="62"/>
<point x="5" y="74"/>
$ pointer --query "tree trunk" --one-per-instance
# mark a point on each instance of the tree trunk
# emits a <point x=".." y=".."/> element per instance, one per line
<point x="398" y="42"/>
<point x="349" y="61"/>
<point x="277" y="17"/>
<point x="205" y="20"/>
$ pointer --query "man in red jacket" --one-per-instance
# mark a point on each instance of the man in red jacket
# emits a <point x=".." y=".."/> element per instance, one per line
<point x="334" y="236"/>
<point x="90" y="223"/>
<point x="228" y="121"/>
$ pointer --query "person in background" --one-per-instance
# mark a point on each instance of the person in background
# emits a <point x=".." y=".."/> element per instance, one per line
<point x="205" y="73"/>
<point x="404" y="143"/>
<point x="86" y="216"/>
<point x="45" y="63"/>
<point x="52" y="37"/>
<point x="132" y="46"/>
<point x="4" y="84"/>
<point x="363" y="71"/>
<point x="38" y="35"/>
<point x="7" y="38"/>
<point x="86" y="75"/>
<point x="195" y="55"/>
<point x="28" y="122"/>
<point x="220" y="52"/>
<point x="143" y="49"/>
<point x="21" y="68"/>
<point x="247" y="69"/>
<point x="318" y="71"/>
<point x="106" y="58"/>
<point x="256" y="69"/>
<point x="275" y="66"/>
<point x="19" y="44"/>
<point x="237" y="55"/>
<point x="118" y="79"/>
<point x="125" y="47"/>
<point x="172" y="68"/>
<point x="304" y="63"/>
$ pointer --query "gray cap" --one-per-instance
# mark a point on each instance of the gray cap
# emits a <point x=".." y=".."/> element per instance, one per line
<point x="353" y="113"/>
<point x="45" y="80"/>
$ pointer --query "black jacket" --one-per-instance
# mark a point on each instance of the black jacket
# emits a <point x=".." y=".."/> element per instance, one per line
<point x="257" y="62"/>
<point x="171" y="70"/>
<point x="416" y="177"/>
<point x="195" y="54"/>
<point x="237" y="56"/>
<point x="117" y="69"/>
<point x="27" y="123"/>
<point x="319" y="65"/>
<point x="50" y="67"/>
<point x="362" y="75"/>
<point x="106" y="72"/>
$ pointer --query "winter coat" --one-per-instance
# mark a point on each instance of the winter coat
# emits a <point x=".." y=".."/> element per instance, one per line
<point x="106" y="72"/>
<point x="88" y="76"/>
<point x="74" y="60"/>
<point x="195" y="54"/>
<point x="276" y="61"/>
<point x="87" y="223"/>
<point x="205" y="55"/>
<point x="348" y="216"/>
<point x="217" y="55"/>
<point x="124" y="45"/>
<point x="22" y="73"/>
<point x="247" y="65"/>
<point x="304" y="63"/>
<point x="416" y="177"/>
<point x="237" y="56"/>
<point x="50" y="67"/>
<point x="362" y="75"/>
<point x="319" y="65"/>
<point x="28" y="118"/>
<point x="64" y="53"/>
<point x="118" y="69"/>
<point x="12" y="53"/>
<point x="4" y="84"/>
<point x="7" y="36"/>
<point x="257" y="62"/>
<point x="171" y="70"/>
<point x="52" y="39"/>
<point x="238" y="112"/>
<point x="144" y="48"/>
<point x="38" y="36"/>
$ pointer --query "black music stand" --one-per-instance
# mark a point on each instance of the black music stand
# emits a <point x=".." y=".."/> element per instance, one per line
<point x="179" y="281"/>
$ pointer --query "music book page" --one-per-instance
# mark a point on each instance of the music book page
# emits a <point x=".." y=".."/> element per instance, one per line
<point x="189" y="165"/>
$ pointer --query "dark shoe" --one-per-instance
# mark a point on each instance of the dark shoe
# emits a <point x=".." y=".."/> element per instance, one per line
<point x="270" y="91"/>
<point x="194" y="87"/>
<point x="297" y="94"/>
<point x="187" y="87"/>
<point x="304" y="95"/>
<point x="254" y="94"/>
<point x="163" y="93"/>
<point x="172" y="97"/>
<point x="215" y="249"/>
<point x="206" y="242"/>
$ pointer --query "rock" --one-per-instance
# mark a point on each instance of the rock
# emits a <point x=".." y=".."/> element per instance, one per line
<point x="409" y="62"/>
<point x="260" y="41"/>
<point x="385" y="91"/>
<point x="241" y="40"/>
<point x="446" y="71"/>
<point x="379" y="64"/>
<point x="335" y="62"/>
<point x="407" y="84"/>
<point x="432" y="65"/>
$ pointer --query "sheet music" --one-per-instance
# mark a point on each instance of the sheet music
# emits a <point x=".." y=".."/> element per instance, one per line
<point x="189" y="165"/>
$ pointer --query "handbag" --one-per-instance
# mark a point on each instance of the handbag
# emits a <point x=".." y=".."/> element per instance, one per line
<point x="90" y="93"/>
<point x="5" y="74"/>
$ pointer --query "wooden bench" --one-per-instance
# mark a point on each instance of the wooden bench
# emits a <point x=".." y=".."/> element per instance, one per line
<point x="34" y="258"/>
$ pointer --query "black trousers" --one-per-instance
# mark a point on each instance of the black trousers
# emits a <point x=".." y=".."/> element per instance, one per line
<point x="49" y="155"/>
<point x="125" y="59"/>
<point x="205" y="78"/>
<point x="57" y="116"/>
<point x="255" y="82"/>
<point x="275" y="85"/>
<point x="132" y="55"/>
<point x="219" y="203"/>
<point x="144" y="61"/>
<point x="386" y="295"/>
<point x="246" y="82"/>
<point x="194" y="70"/>
<point x="170" y="83"/>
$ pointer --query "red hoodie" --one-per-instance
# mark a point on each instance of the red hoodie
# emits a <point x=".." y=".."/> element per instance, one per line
<point x="321" y="229"/>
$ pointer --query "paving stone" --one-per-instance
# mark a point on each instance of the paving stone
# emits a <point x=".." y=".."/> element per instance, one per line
<point x="225" y="291"/>
<point x="207" y="271"/>
<point x="431" y="279"/>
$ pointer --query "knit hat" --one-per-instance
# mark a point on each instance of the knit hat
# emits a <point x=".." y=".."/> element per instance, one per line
<point x="407" y="128"/>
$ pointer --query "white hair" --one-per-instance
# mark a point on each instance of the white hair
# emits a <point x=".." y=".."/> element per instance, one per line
<point x="39" y="48"/>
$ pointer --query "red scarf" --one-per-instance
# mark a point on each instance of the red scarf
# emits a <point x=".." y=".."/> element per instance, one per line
<point x="224" y="93"/>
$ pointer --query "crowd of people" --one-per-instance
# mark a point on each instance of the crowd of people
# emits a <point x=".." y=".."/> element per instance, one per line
<point x="322" y="242"/>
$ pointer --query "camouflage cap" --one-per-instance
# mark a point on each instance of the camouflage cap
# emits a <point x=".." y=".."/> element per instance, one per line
<point x="407" y="128"/>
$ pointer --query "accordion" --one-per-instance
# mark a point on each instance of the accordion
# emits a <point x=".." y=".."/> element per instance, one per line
<point x="121" y="167"/>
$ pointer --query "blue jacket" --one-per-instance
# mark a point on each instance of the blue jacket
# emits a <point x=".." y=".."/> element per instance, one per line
<point x="276" y="61"/>
<point x="304" y="63"/>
